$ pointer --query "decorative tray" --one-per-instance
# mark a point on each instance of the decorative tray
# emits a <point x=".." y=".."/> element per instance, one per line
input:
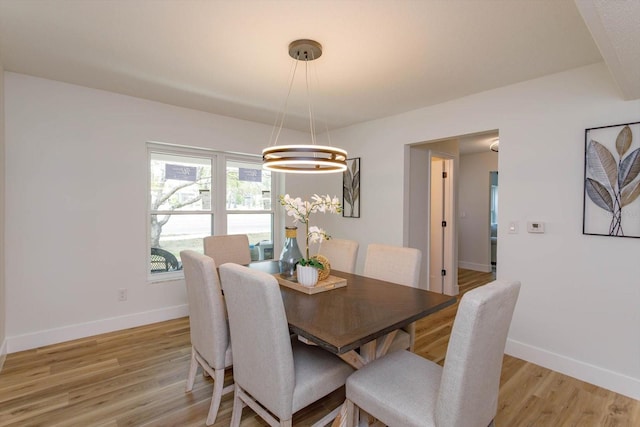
<point x="331" y="282"/>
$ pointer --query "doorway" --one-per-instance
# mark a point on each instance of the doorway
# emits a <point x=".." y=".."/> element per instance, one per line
<point x="468" y="224"/>
<point x="418" y="216"/>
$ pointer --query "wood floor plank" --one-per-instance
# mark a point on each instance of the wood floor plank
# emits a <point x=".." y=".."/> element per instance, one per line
<point x="34" y="386"/>
<point x="32" y="408"/>
<point x="517" y="395"/>
<point x="137" y="377"/>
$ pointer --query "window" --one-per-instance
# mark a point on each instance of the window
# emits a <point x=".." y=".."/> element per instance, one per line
<point x="248" y="206"/>
<point x="198" y="193"/>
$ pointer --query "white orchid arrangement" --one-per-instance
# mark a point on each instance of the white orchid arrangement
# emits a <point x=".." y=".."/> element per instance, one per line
<point x="300" y="210"/>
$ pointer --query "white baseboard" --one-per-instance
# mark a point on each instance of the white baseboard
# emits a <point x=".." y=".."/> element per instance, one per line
<point x="72" y="332"/>
<point x="475" y="266"/>
<point x="3" y="353"/>
<point x="592" y="374"/>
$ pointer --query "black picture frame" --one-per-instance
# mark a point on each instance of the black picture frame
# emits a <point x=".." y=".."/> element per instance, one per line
<point x="351" y="189"/>
<point x="611" y="206"/>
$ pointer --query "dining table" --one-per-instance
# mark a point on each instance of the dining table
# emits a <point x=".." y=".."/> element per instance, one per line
<point x="356" y="322"/>
<point x="345" y="319"/>
<point x="359" y="321"/>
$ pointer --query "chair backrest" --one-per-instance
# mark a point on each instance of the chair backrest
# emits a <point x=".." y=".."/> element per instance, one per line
<point x="228" y="248"/>
<point x="207" y="312"/>
<point x="393" y="264"/>
<point x="162" y="260"/>
<point x="262" y="354"/>
<point x="342" y="254"/>
<point x="471" y="377"/>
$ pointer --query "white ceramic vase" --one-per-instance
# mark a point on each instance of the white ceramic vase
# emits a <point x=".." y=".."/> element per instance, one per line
<point x="307" y="276"/>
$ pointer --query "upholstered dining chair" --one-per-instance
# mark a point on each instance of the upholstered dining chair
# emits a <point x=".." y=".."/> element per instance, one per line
<point x="210" y="343"/>
<point x="228" y="248"/>
<point x="273" y="374"/>
<point x="342" y="254"/>
<point x="404" y="389"/>
<point x="399" y="265"/>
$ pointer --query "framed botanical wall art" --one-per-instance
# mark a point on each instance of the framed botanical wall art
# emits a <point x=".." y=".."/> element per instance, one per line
<point x="351" y="189"/>
<point x="611" y="181"/>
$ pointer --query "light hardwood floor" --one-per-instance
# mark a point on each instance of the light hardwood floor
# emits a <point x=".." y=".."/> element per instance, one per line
<point x="136" y="377"/>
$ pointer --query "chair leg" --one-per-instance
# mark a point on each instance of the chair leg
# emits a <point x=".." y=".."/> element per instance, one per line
<point x="412" y="336"/>
<point x="193" y="369"/>
<point x="218" y="384"/>
<point x="352" y="414"/>
<point x="238" y="404"/>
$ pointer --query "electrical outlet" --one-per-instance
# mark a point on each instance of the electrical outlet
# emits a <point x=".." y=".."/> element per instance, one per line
<point x="122" y="294"/>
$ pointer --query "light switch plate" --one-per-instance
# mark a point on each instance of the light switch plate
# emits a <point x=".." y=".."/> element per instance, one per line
<point x="513" y="227"/>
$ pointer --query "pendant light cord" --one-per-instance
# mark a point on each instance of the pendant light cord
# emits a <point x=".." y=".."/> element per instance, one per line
<point x="324" y="122"/>
<point x="279" y="121"/>
<point x="280" y="118"/>
<point x="312" y="128"/>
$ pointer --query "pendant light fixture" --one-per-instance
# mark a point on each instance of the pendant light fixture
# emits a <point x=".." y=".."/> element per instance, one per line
<point x="303" y="158"/>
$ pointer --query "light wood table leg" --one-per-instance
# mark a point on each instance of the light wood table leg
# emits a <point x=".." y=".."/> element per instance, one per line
<point x="368" y="352"/>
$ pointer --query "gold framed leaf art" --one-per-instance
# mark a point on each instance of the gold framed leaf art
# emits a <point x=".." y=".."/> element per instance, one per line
<point x="612" y="181"/>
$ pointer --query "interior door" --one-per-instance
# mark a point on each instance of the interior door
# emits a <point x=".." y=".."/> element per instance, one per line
<point x="437" y="244"/>
<point x="442" y="270"/>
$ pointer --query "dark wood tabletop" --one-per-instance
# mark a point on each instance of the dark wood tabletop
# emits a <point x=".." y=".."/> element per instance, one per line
<point x="343" y="319"/>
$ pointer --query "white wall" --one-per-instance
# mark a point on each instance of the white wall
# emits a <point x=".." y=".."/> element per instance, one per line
<point x="474" y="189"/>
<point x="578" y="308"/>
<point x="76" y="206"/>
<point x="3" y="300"/>
<point x="417" y="230"/>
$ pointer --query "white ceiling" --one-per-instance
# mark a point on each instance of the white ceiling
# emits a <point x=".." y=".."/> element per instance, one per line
<point x="477" y="142"/>
<point x="381" y="57"/>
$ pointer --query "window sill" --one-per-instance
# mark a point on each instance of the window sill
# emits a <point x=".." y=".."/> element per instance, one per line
<point x="165" y="277"/>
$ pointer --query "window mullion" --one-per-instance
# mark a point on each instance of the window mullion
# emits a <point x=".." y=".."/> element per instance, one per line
<point x="220" y="217"/>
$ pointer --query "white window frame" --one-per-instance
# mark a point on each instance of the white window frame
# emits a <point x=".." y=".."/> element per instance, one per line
<point x="218" y="202"/>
